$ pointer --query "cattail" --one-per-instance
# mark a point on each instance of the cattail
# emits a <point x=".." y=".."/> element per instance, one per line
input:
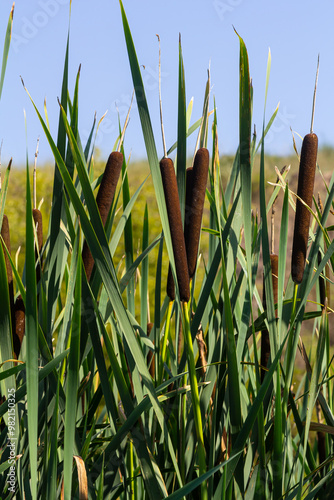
<point x="175" y="224"/>
<point x="6" y="238"/>
<point x="170" y="280"/>
<point x="19" y="325"/>
<point x="150" y="355"/>
<point x="195" y="203"/>
<point x="104" y="201"/>
<point x="38" y="220"/>
<point x="265" y="343"/>
<point x="308" y="161"/>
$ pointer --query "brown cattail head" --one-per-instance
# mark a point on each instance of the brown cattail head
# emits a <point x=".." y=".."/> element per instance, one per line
<point x="170" y="284"/>
<point x="265" y="343"/>
<point x="175" y="223"/>
<point x="19" y="325"/>
<point x="38" y="220"/>
<point x="308" y="162"/>
<point x="170" y="280"/>
<point x="197" y="184"/>
<point x="108" y="184"/>
<point x="104" y="201"/>
<point x="6" y="238"/>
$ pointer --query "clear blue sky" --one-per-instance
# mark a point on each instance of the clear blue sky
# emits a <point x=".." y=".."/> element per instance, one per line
<point x="294" y="31"/>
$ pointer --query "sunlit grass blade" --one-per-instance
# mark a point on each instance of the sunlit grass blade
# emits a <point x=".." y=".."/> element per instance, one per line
<point x="51" y="486"/>
<point x="205" y="115"/>
<point x="3" y="192"/>
<point x="128" y="241"/>
<point x="72" y="377"/>
<point x="181" y="135"/>
<point x="57" y="255"/>
<point x="244" y="145"/>
<point x="282" y="255"/>
<point x="6" y="48"/>
<point x="144" y="273"/>
<point x="32" y="340"/>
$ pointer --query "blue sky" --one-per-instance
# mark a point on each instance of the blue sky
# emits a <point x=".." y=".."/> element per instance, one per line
<point x="293" y="31"/>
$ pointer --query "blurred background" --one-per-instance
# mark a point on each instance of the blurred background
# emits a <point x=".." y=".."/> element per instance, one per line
<point x="293" y="31"/>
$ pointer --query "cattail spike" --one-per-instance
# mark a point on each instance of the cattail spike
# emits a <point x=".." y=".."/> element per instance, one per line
<point x="6" y="238"/>
<point x="195" y="205"/>
<point x="19" y="325"/>
<point x="5" y="233"/>
<point x="104" y="201"/>
<point x="175" y="223"/>
<point x="170" y="280"/>
<point x="308" y="161"/>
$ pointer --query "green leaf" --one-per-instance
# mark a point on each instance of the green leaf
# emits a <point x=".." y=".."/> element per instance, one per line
<point x="32" y="340"/>
<point x="72" y="379"/>
<point x="181" y="135"/>
<point x="6" y="48"/>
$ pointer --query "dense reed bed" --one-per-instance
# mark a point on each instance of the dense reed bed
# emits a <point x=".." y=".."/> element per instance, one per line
<point x="114" y="387"/>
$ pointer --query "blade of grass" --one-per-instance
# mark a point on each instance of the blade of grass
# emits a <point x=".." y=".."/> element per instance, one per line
<point x="3" y="191"/>
<point x="181" y="135"/>
<point x="57" y="255"/>
<point x="144" y="273"/>
<point x="6" y="48"/>
<point x="32" y="340"/>
<point x="72" y="377"/>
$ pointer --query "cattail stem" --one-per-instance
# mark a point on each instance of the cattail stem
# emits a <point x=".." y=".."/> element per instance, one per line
<point x="175" y="224"/>
<point x="308" y="161"/>
<point x="104" y="201"/>
<point x="38" y="221"/>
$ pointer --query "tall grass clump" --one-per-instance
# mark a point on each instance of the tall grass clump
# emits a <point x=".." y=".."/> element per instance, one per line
<point x="122" y="390"/>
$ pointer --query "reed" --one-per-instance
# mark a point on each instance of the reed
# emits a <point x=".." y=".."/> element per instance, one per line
<point x="38" y="221"/>
<point x="175" y="223"/>
<point x="308" y="161"/>
<point x="104" y="201"/>
<point x="5" y="233"/>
